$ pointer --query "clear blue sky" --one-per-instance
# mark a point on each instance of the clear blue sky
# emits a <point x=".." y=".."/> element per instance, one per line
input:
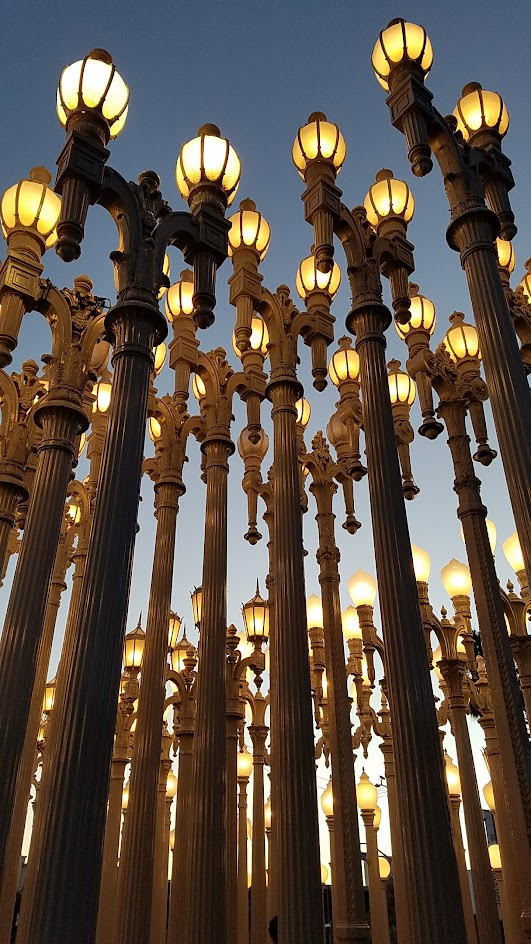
<point x="258" y="70"/>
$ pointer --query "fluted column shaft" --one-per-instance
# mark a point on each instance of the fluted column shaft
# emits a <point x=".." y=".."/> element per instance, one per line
<point x="430" y="866"/>
<point x="482" y="877"/>
<point x="455" y="804"/>
<point x="297" y="836"/>
<point x="347" y="884"/>
<point x="159" y="875"/>
<point x="66" y="874"/>
<point x="178" y="905"/>
<point x="514" y="745"/>
<point x="138" y="843"/>
<point x="512" y="928"/>
<point x="107" y="910"/>
<point x="206" y="881"/>
<point x="21" y="640"/>
<point x="272" y="897"/>
<point x="399" y="887"/>
<point x="258" y="859"/>
<point x="243" y="891"/>
<point x="231" y="798"/>
<point x="376" y="898"/>
<point x="8" y="888"/>
<point x="11" y="493"/>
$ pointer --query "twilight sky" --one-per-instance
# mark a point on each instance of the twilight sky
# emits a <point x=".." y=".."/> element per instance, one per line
<point x="258" y="70"/>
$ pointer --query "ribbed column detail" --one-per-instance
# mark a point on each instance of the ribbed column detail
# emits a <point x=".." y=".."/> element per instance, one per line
<point x="206" y="884"/>
<point x="21" y="640"/>
<point x="10" y="495"/>
<point x="430" y="866"/>
<point x="399" y="881"/>
<point x="258" y="858"/>
<point x="468" y="912"/>
<point x="509" y="392"/>
<point x="242" y="936"/>
<point x="231" y="786"/>
<point x="295" y="825"/>
<point x="137" y="856"/>
<point x="108" y="905"/>
<point x="349" y="901"/>
<point x="178" y="906"/>
<point x="63" y="880"/>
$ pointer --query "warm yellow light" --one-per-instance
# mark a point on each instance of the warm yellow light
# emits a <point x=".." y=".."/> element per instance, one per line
<point x="479" y="110"/>
<point x="166" y="272"/>
<point x="249" y="228"/>
<point x="344" y="364"/>
<point x="452" y="777"/>
<point x="324" y="874"/>
<point x="310" y="279"/>
<point x="179" y="652"/>
<point x="154" y="428"/>
<point x="350" y="623"/>
<point x="400" y="42"/>
<point x="179" y="297"/>
<point x="73" y="510"/>
<point x="513" y="553"/>
<point x="303" y="412"/>
<point x="267" y="814"/>
<point x="314" y="611"/>
<point x="49" y="696"/>
<point x="82" y="444"/>
<point x="362" y="589"/>
<point x="456" y="579"/>
<point x="125" y="797"/>
<point x="208" y="159"/>
<point x="198" y="387"/>
<point x="102" y="392"/>
<point x="488" y="794"/>
<point x="259" y="337"/>
<point x="31" y="204"/>
<point x="327" y="800"/>
<point x="402" y="388"/>
<point x="421" y="564"/>
<point x="171" y="785"/>
<point x="174" y="628"/>
<point x="159" y="353"/>
<point x="172" y="840"/>
<point x="366" y="794"/>
<point x="249" y="829"/>
<point x="133" y="649"/>
<point x="244" y="764"/>
<point x="384" y="867"/>
<point x="495" y="857"/>
<point x="197" y="604"/>
<point x="318" y="140"/>
<point x="505" y="251"/>
<point x="388" y="198"/>
<point x="525" y="284"/>
<point x="93" y="84"/>
<point x="461" y="340"/>
<point x="422" y="316"/>
<point x="256" y="618"/>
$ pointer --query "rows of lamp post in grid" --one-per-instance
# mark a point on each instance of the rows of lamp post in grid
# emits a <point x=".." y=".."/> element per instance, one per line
<point x="83" y="179"/>
<point x="464" y="684"/>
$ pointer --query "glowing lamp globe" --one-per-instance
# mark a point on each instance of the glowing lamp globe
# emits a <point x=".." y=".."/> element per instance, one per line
<point x="479" y="110"/>
<point x="452" y="777"/>
<point x="310" y="279"/>
<point x="125" y="797"/>
<point x="366" y="794"/>
<point x="377" y="817"/>
<point x="249" y="229"/>
<point x="318" y="140"/>
<point x="166" y="272"/>
<point x="197" y="604"/>
<point x="350" y="623"/>
<point x="159" y="354"/>
<point x="402" y="389"/>
<point x="171" y="785"/>
<point x="488" y="794"/>
<point x="267" y="814"/>
<point x="495" y="857"/>
<point x="49" y="696"/>
<point x="303" y="412"/>
<point x="244" y="764"/>
<point x="259" y="337"/>
<point x="32" y="205"/>
<point x="94" y="85"/>
<point x="388" y="198"/>
<point x="324" y="874"/>
<point x="256" y="619"/>
<point x="505" y="251"/>
<point x="327" y="800"/>
<point x="344" y="364"/>
<point x="179" y="297"/>
<point x="154" y="429"/>
<point x="422" y="316"/>
<point x="102" y="391"/>
<point x="314" y="611"/>
<point x="174" y="628"/>
<point x="362" y="589"/>
<point x="421" y="564"/>
<point x="134" y="648"/>
<point x="401" y="42"/>
<point x="208" y="160"/>
<point x="384" y="867"/>
<point x="456" y="579"/>
<point x="198" y="387"/>
<point x="513" y="553"/>
<point x="461" y="340"/>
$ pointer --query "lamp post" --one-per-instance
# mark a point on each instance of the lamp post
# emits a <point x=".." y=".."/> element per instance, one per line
<point x="245" y="767"/>
<point x="477" y="179"/>
<point x="385" y="870"/>
<point x="318" y="154"/>
<point x="92" y="113"/>
<point x="454" y="797"/>
<point x="367" y="796"/>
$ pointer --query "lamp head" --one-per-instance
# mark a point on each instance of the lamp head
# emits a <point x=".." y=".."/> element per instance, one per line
<point x="401" y="43"/>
